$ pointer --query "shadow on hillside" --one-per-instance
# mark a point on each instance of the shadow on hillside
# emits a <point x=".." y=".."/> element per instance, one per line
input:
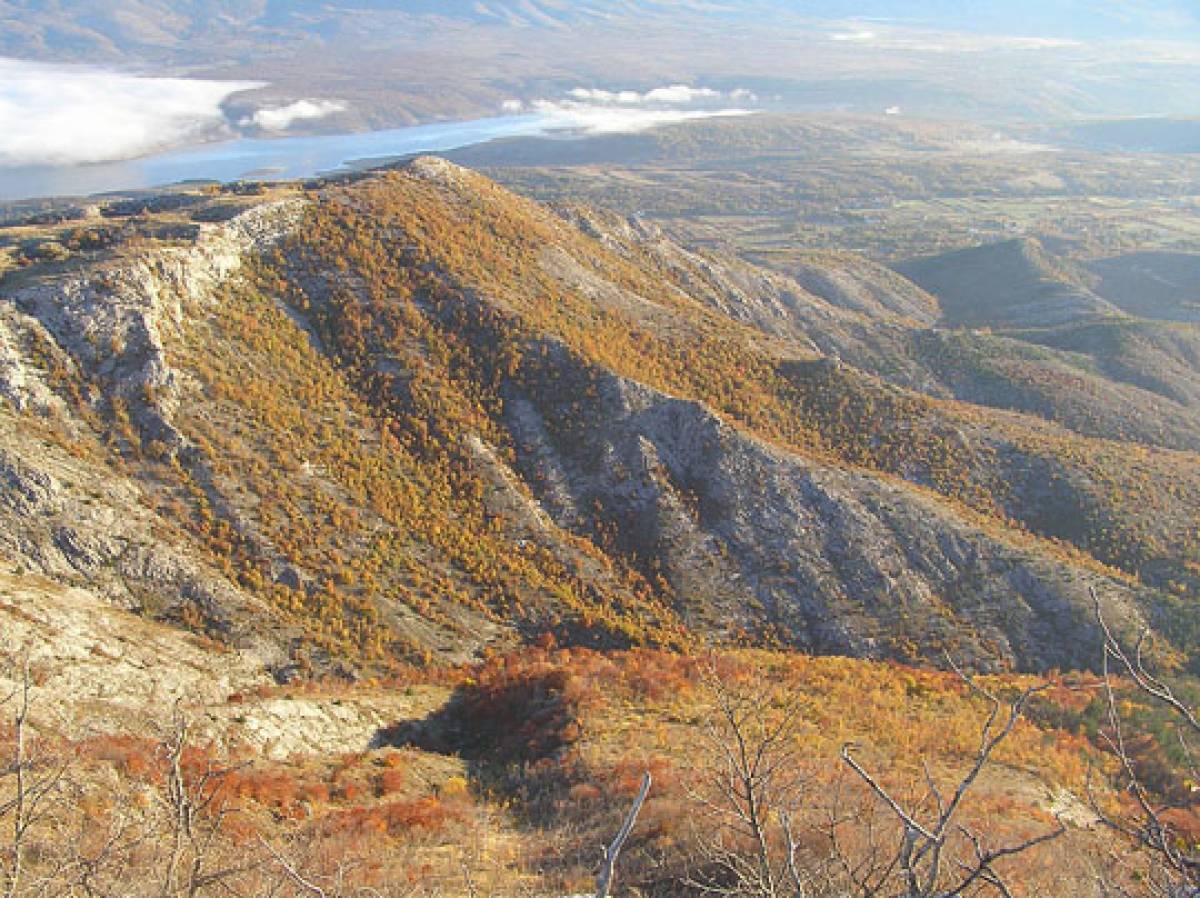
<point x="515" y="730"/>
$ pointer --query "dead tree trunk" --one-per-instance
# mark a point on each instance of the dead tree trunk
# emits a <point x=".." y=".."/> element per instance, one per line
<point x="608" y="868"/>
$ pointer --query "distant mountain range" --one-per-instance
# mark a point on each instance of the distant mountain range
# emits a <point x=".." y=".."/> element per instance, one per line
<point x="388" y="63"/>
<point x="1124" y="19"/>
<point x="78" y="29"/>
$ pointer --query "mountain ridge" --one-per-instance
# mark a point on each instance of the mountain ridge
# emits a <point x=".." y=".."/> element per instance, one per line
<point x="390" y="448"/>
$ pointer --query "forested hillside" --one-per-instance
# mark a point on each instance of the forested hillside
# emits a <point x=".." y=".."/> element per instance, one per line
<point x="429" y="416"/>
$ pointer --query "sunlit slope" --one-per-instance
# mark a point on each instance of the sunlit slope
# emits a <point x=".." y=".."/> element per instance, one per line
<point x="597" y="373"/>
<point x="412" y="416"/>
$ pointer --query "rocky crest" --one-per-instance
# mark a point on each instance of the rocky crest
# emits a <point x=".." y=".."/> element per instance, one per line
<point x="71" y="511"/>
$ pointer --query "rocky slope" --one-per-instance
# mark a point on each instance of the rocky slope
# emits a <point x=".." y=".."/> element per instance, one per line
<point x="415" y="416"/>
<point x="1094" y="377"/>
<point x="86" y="379"/>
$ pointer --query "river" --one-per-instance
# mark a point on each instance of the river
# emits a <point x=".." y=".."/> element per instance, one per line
<point x="256" y="158"/>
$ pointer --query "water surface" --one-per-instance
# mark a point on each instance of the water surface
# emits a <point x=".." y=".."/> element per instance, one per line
<point x="279" y="158"/>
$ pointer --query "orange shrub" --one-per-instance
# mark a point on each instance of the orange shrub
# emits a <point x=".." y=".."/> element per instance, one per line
<point x="428" y="814"/>
<point x="389" y="781"/>
<point x="272" y="788"/>
<point x="584" y="793"/>
<point x="133" y="757"/>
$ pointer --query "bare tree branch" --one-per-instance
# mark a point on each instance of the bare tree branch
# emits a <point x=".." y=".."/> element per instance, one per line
<point x="605" y="877"/>
<point x="920" y="858"/>
<point x="1173" y="859"/>
<point x="291" y="872"/>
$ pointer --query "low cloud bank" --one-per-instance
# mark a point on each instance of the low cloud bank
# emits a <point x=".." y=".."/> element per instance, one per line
<point x="59" y="115"/>
<point x="280" y="118"/>
<point x="597" y="111"/>
<point x="672" y="95"/>
<point x="601" y="120"/>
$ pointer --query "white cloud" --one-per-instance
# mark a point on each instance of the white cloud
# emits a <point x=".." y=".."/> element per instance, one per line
<point x="617" y="120"/>
<point x="1037" y="43"/>
<point x="671" y="95"/>
<point x="917" y="40"/>
<point x="854" y="36"/>
<point x="679" y="94"/>
<point x="596" y="111"/>
<point x="512" y="106"/>
<point x="53" y="114"/>
<point x="592" y="95"/>
<point x="280" y="118"/>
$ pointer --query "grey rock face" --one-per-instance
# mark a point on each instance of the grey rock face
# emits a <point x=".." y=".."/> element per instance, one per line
<point x="750" y="538"/>
<point x="76" y="518"/>
<point x="831" y="559"/>
<point x="110" y="323"/>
